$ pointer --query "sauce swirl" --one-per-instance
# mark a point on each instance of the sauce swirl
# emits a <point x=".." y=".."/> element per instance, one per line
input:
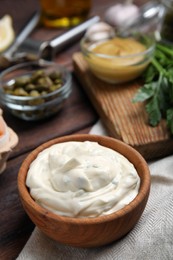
<point x="82" y="179"/>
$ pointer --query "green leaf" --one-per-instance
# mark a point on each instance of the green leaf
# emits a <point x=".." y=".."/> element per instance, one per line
<point x="157" y="91"/>
<point x="144" y="93"/>
<point x="163" y="96"/>
<point x="169" y="118"/>
<point x="170" y="74"/>
<point x="158" y="66"/>
<point x="165" y="49"/>
<point x="153" y="111"/>
<point x="149" y="74"/>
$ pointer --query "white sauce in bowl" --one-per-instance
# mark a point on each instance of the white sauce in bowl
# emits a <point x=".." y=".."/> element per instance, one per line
<point x="82" y="179"/>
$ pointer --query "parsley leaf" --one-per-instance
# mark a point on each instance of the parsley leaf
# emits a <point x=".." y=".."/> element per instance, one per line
<point x="146" y="92"/>
<point x="152" y="107"/>
<point x="157" y="90"/>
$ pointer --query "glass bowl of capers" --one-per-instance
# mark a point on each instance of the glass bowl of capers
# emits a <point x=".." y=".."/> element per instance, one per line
<point x="34" y="90"/>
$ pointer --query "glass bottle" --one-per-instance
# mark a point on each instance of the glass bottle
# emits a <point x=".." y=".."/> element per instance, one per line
<point x="64" y="13"/>
<point x="167" y="21"/>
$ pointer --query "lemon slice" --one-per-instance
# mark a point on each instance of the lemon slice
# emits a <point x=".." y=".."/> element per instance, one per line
<point x="6" y="32"/>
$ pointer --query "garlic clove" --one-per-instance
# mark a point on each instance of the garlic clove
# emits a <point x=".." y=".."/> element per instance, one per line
<point x="120" y="13"/>
<point x="100" y="31"/>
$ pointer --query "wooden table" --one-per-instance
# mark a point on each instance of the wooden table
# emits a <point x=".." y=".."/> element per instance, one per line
<point x="77" y="116"/>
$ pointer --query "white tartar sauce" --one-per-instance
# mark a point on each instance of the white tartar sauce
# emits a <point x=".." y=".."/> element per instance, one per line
<point x="82" y="179"/>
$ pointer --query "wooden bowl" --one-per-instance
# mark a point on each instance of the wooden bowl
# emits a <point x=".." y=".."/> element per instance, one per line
<point x="87" y="232"/>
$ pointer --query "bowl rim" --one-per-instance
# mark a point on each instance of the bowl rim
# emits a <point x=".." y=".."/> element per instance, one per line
<point x="144" y="186"/>
<point x="41" y="62"/>
<point x="86" y="51"/>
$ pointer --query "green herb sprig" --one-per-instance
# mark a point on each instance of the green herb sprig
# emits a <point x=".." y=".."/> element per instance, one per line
<point x="157" y="90"/>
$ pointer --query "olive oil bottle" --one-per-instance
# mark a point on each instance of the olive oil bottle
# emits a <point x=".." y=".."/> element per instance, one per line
<point x="167" y="22"/>
<point x="64" y="13"/>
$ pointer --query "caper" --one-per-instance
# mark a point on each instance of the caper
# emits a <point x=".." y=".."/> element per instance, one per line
<point x="21" y="81"/>
<point x="55" y="75"/>
<point x="29" y="87"/>
<point x="34" y="93"/>
<point x="58" y="81"/>
<point x="39" y="83"/>
<point x="58" y="85"/>
<point x="45" y="81"/>
<point x="20" y="92"/>
<point x="41" y="88"/>
<point x="53" y="88"/>
<point x="37" y="74"/>
<point x="44" y="93"/>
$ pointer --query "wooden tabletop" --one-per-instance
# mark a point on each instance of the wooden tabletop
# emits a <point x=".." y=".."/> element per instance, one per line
<point x="77" y="116"/>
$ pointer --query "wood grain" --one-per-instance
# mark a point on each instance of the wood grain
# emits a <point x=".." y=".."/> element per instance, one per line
<point x="15" y="225"/>
<point x="123" y="119"/>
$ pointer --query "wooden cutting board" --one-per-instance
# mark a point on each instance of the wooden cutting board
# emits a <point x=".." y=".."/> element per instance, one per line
<point x="123" y="119"/>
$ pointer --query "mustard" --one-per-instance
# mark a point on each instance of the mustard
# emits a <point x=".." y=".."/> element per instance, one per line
<point x="118" y="59"/>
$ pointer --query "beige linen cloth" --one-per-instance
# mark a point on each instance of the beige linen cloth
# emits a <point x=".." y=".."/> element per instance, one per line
<point x="151" y="238"/>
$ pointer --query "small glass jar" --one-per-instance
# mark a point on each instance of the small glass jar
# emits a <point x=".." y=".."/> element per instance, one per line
<point x="167" y="22"/>
<point x="64" y="13"/>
